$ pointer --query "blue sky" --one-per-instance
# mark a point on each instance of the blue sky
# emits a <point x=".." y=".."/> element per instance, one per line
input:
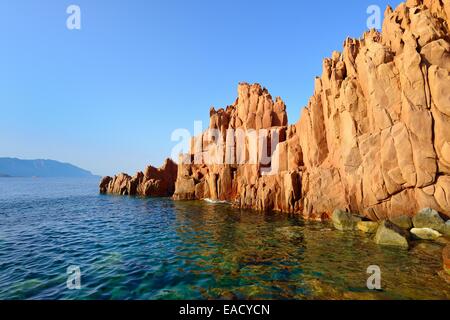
<point x="107" y="97"/>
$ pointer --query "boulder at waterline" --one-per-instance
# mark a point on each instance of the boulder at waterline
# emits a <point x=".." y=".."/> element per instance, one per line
<point x="429" y="218"/>
<point x="344" y="221"/>
<point x="425" y="233"/>
<point x="388" y="234"/>
<point x="367" y="226"/>
<point x="403" y="221"/>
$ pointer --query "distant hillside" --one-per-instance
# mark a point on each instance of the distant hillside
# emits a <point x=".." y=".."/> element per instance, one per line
<point x="12" y="167"/>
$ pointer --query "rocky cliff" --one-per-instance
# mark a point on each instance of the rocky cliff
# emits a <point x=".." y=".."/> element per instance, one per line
<point x="151" y="183"/>
<point x="374" y="138"/>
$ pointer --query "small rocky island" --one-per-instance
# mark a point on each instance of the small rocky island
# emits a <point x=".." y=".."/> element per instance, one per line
<point x="371" y="151"/>
<point x="153" y="182"/>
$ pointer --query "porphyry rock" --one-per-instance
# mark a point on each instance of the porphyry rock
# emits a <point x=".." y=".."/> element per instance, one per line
<point x="389" y="234"/>
<point x="425" y="233"/>
<point x="403" y="221"/>
<point x="368" y="226"/>
<point x="374" y="137"/>
<point x="153" y="182"/>
<point x="344" y="221"/>
<point x="429" y="218"/>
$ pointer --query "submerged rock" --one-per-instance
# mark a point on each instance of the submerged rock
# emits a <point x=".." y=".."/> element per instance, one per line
<point x="368" y="226"/>
<point x="445" y="274"/>
<point x="446" y="259"/>
<point x="425" y="233"/>
<point x="291" y="233"/>
<point x="344" y="221"/>
<point x="389" y="234"/>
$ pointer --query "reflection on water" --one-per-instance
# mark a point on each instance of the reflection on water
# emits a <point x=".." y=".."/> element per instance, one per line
<point x="130" y="248"/>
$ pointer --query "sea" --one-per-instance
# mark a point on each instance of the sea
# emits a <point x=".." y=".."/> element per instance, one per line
<point x="60" y="239"/>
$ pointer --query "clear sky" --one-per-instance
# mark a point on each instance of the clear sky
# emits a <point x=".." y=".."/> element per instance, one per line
<point x="107" y="97"/>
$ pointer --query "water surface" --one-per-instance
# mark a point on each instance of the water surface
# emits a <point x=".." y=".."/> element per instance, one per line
<point x="132" y="248"/>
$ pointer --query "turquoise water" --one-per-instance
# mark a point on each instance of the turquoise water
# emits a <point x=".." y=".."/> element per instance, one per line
<point x="131" y="248"/>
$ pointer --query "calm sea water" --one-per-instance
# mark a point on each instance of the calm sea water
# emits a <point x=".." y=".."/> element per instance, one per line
<point x="131" y="248"/>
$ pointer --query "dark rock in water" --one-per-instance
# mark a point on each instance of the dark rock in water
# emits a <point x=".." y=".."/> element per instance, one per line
<point x="388" y="234"/>
<point x="403" y="221"/>
<point x="429" y="218"/>
<point x="151" y="183"/>
<point x="344" y="221"/>
<point x="104" y="184"/>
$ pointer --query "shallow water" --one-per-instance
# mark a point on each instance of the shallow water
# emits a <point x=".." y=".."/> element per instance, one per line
<point x="131" y="248"/>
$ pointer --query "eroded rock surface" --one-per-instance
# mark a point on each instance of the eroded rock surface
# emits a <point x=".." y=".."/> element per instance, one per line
<point x="373" y="139"/>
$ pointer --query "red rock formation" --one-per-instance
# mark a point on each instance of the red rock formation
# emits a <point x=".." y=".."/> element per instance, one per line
<point x="374" y="138"/>
<point x="228" y="162"/>
<point x="151" y="183"/>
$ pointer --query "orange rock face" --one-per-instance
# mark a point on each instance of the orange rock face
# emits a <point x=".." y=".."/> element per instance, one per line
<point x="151" y="183"/>
<point x="374" y="138"/>
<point x="234" y="159"/>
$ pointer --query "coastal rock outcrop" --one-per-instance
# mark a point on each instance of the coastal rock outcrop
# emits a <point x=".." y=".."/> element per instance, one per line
<point x="248" y="156"/>
<point x="153" y="182"/>
<point x="373" y="139"/>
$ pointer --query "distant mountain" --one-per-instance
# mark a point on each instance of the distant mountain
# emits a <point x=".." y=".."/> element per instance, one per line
<point x="12" y="167"/>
